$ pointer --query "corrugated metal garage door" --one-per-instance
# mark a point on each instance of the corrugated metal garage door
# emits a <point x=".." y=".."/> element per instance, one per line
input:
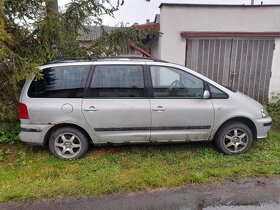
<point x="243" y="64"/>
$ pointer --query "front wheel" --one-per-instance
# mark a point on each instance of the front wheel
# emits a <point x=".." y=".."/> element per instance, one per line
<point x="68" y="143"/>
<point x="234" y="138"/>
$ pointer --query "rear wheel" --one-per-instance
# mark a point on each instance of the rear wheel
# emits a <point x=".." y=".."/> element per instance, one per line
<point x="68" y="143"/>
<point x="234" y="138"/>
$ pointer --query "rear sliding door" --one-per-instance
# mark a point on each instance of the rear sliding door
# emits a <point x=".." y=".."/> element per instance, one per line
<point x="115" y="105"/>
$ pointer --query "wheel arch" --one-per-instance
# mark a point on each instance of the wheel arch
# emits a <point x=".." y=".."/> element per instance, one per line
<point x="244" y="120"/>
<point x="61" y="125"/>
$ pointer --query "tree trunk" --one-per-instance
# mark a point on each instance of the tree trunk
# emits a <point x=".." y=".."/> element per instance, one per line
<point x="52" y="5"/>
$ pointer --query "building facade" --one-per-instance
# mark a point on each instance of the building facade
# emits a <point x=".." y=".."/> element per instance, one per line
<point x="235" y="45"/>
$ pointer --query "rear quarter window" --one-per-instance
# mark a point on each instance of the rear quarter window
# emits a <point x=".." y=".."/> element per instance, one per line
<point x="60" y="82"/>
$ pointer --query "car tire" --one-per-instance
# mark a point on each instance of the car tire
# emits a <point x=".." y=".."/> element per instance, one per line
<point x="234" y="138"/>
<point x="68" y="143"/>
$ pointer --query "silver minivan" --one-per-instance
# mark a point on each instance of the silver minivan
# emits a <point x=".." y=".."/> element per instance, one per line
<point x="134" y="100"/>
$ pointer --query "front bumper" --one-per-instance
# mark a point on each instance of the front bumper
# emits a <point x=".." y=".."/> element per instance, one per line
<point x="33" y="134"/>
<point x="263" y="125"/>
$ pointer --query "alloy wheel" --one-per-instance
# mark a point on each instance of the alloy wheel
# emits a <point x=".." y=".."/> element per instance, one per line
<point x="67" y="145"/>
<point x="235" y="140"/>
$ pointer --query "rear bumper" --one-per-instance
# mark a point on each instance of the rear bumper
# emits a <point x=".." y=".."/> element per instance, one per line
<point x="263" y="125"/>
<point x="33" y="134"/>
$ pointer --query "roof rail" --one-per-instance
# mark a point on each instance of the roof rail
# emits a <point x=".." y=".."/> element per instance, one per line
<point x="70" y="60"/>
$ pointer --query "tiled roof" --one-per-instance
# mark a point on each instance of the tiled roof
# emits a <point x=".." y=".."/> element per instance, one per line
<point x="93" y="32"/>
<point x="148" y="25"/>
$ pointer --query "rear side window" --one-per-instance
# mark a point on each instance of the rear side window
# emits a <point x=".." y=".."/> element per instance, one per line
<point x="117" y="81"/>
<point x="60" y="82"/>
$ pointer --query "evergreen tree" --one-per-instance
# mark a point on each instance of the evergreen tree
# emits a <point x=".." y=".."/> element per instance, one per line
<point x="35" y="31"/>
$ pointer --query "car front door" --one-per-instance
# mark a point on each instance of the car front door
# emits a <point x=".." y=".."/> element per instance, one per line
<point x="178" y="110"/>
<point x="116" y="106"/>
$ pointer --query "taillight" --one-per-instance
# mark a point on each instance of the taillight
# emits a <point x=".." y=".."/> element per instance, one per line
<point x="23" y="112"/>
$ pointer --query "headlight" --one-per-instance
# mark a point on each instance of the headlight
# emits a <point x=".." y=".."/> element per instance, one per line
<point x="264" y="112"/>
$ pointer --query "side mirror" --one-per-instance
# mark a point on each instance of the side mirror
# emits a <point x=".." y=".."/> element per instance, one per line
<point x="206" y="94"/>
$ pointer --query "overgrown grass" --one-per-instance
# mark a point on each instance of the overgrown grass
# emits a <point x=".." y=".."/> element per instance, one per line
<point x="31" y="172"/>
<point x="28" y="172"/>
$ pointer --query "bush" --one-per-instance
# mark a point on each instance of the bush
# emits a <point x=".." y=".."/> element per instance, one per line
<point x="9" y="132"/>
<point x="274" y="112"/>
<point x="273" y="107"/>
<point x="8" y="111"/>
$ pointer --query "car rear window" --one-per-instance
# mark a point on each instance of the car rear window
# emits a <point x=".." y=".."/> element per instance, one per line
<point x="60" y="82"/>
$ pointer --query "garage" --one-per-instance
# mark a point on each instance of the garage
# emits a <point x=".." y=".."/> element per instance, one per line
<point x="237" y="46"/>
<point x="240" y="63"/>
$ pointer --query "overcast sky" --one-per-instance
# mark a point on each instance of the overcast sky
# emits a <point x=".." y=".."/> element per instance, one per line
<point x="139" y="10"/>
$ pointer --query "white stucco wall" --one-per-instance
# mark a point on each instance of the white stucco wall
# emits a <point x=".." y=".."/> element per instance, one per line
<point x="175" y="19"/>
<point x="275" y="71"/>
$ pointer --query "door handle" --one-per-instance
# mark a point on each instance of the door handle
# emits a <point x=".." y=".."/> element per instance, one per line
<point x="91" y="109"/>
<point x="159" y="109"/>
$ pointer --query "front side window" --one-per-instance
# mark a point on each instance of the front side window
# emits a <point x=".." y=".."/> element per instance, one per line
<point x="217" y="93"/>
<point x="175" y="83"/>
<point x="117" y="81"/>
<point x="60" y="82"/>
